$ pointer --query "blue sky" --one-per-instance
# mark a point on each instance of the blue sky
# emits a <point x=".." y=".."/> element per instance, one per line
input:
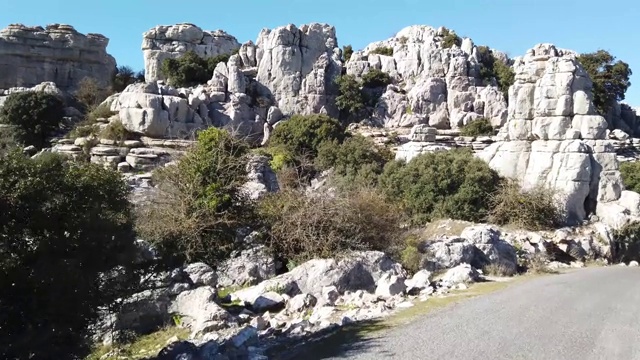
<point x="508" y="25"/>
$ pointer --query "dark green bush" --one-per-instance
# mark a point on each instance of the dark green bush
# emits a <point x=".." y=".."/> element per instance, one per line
<point x="382" y="50"/>
<point x="610" y="79"/>
<point x="627" y="243"/>
<point x="450" y="39"/>
<point x="200" y="205"/>
<point x="302" y="227"/>
<point x="445" y="184"/>
<point x="357" y="162"/>
<point x="125" y="76"/>
<point x="347" y="51"/>
<point x="491" y="68"/>
<point x="67" y="249"/>
<point x="535" y="209"/>
<point x="375" y="78"/>
<point x="35" y="116"/>
<point x="631" y="175"/>
<point x="190" y="69"/>
<point x="479" y="127"/>
<point x="303" y="134"/>
<point x="7" y="141"/>
<point x="350" y="100"/>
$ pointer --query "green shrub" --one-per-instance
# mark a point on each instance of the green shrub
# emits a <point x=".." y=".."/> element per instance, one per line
<point x="479" y="127"/>
<point x="347" y="51"/>
<point x="375" y="78"/>
<point x="35" y="116"/>
<point x="116" y="131"/>
<point x="491" y="68"/>
<point x="631" y="175"/>
<point x="505" y="76"/>
<point x="199" y="204"/>
<point x="302" y="227"/>
<point x="68" y="249"/>
<point x="411" y="257"/>
<point x="382" y="50"/>
<point x="535" y="209"/>
<point x="444" y="184"/>
<point x="190" y="69"/>
<point x="350" y="99"/>
<point x="303" y="134"/>
<point x="125" y="76"/>
<point x="8" y="142"/>
<point x="450" y="39"/>
<point x="357" y="162"/>
<point x="627" y="243"/>
<point x="610" y="79"/>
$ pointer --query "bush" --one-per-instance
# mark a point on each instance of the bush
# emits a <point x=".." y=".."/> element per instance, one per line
<point x="7" y="141"/>
<point x="479" y="127"/>
<point x="356" y="162"/>
<point x="124" y="77"/>
<point x="347" y="51"/>
<point x="350" y="100"/>
<point x="303" y="134"/>
<point x="627" y="243"/>
<point x="411" y="257"/>
<point x="492" y="68"/>
<point x="90" y="93"/>
<point x="116" y="131"/>
<point x="302" y="227"/>
<point x="382" y="50"/>
<point x="610" y="79"/>
<point x="450" y="39"/>
<point x="630" y="172"/>
<point x="35" y="116"/>
<point x="535" y="209"/>
<point x="199" y="204"/>
<point x="68" y="250"/>
<point x="375" y="78"/>
<point x="190" y="69"/>
<point x="445" y="184"/>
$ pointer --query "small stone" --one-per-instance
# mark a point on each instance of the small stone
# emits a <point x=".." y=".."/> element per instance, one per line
<point x="123" y="167"/>
<point x="390" y="285"/>
<point x="259" y="323"/>
<point x="330" y="295"/>
<point x="268" y="301"/>
<point x="634" y="264"/>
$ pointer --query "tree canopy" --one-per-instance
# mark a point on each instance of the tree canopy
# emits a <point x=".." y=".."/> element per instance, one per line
<point x="610" y="78"/>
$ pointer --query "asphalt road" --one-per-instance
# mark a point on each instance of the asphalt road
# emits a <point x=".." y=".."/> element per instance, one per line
<point x="584" y="315"/>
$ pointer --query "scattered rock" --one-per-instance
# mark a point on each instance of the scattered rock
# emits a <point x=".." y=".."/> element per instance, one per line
<point x="634" y="264"/>
<point x="268" y="301"/>
<point x="390" y="285"/>
<point x="461" y="274"/>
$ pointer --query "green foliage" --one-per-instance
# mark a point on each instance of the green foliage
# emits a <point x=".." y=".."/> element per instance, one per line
<point x="190" y="69"/>
<point x="8" y="142"/>
<point x="303" y="134"/>
<point x="631" y="175"/>
<point x="35" y="116"/>
<point x="479" y="127"/>
<point x="375" y="78"/>
<point x="492" y="68"/>
<point x="350" y="100"/>
<point x="357" y="162"/>
<point x="67" y="249"/>
<point x="124" y="77"/>
<point x="450" y="39"/>
<point x="610" y="79"/>
<point x="382" y="50"/>
<point x="347" y="51"/>
<point x="411" y="258"/>
<point x="199" y="204"/>
<point x="301" y="226"/>
<point x="116" y="131"/>
<point x="627" y="243"/>
<point x="534" y="209"/>
<point x="446" y="184"/>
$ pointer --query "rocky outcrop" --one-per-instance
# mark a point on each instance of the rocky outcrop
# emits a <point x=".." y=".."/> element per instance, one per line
<point x="554" y="136"/>
<point x="165" y="42"/>
<point x="432" y="84"/>
<point x="56" y="53"/>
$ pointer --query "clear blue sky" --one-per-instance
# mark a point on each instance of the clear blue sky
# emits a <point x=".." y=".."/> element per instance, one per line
<point x="508" y="25"/>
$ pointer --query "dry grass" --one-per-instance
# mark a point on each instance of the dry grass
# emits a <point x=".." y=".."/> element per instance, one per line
<point x="498" y="269"/>
<point x="440" y="228"/>
<point x="143" y="347"/>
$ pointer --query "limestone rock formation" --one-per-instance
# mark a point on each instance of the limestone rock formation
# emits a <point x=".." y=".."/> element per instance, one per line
<point x="440" y="84"/>
<point x="554" y="136"/>
<point x="164" y="42"/>
<point x="56" y="53"/>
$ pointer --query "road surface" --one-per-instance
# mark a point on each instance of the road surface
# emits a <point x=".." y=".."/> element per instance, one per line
<point x="583" y="315"/>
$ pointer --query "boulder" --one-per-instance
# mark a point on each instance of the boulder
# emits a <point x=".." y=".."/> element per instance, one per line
<point x="56" y="53"/>
<point x="268" y="301"/>
<point x="451" y="252"/>
<point x="248" y="267"/>
<point x="200" y="312"/>
<point x="498" y="251"/>
<point x="301" y="302"/>
<point x="461" y="274"/>
<point x="261" y="178"/>
<point x="201" y="274"/>
<point x="390" y="285"/>
<point x="419" y="281"/>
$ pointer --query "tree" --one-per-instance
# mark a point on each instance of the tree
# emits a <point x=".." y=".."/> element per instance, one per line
<point x="67" y="249"/>
<point x="34" y="116"/>
<point x="190" y="69"/>
<point x="630" y="172"/>
<point x="492" y="68"/>
<point x="444" y="184"/>
<point x="347" y="51"/>
<point x="450" y="39"/>
<point x="610" y="79"/>
<point x="200" y="204"/>
<point x="124" y="77"/>
<point x="350" y="100"/>
<point x="375" y="78"/>
<point x="303" y="134"/>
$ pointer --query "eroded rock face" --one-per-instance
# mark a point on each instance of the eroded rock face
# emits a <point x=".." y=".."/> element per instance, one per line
<point x="164" y="42"/>
<point x="56" y="53"/>
<point x="434" y="85"/>
<point x="554" y="136"/>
